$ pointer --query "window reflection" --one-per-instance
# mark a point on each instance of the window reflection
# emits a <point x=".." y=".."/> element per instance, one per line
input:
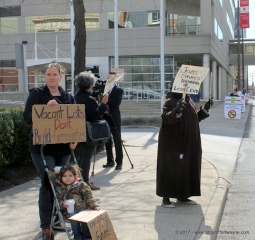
<point x="8" y="26"/>
<point x="142" y="73"/>
<point x="55" y="23"/>
<point x="9" y="80"/>
<point x="136" y="19"/>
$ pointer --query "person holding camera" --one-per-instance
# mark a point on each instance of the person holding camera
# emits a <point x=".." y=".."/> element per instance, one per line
<point x="179" y="150"/>
<point x="85" y="81"/>
<point x="113" y="118"/>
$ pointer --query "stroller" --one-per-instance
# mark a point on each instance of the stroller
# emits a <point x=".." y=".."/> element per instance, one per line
<point x="58" y="222"/>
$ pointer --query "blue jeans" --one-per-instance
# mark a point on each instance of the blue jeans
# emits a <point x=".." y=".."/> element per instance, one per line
<point x="45" y="202"/>
<point x="80" y="229"/>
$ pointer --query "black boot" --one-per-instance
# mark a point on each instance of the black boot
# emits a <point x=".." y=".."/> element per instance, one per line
<point x="109" y="164"/>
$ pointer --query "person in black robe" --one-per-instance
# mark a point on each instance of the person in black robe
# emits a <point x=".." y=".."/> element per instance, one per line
<point x="179" y="149"/>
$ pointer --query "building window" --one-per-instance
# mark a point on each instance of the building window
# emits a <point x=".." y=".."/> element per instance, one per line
<point x="10" y="11"/>
<point x="9" y="80"/>
<point x="35" y="77"/>
<point x="156" y="16"/>
<point x="183" y="25"/>
<point x="138" y="19"/>
<point x="56" y="23"/>
<point x="230" y="26"/>
<point x="142" y="75"/>
<point x="217" y="30"/>
<point x="8" y="26"/>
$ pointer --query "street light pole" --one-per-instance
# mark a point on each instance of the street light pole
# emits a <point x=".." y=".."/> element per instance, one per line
<point x="238" y="42"/>
<point x="162" y="51"/>
<point x="72" y="43"/>
<point x="116" y="35"/>
<point x="243" y="60"/>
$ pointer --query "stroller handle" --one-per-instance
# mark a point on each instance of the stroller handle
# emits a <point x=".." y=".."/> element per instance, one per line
<point x="43" y="158"/>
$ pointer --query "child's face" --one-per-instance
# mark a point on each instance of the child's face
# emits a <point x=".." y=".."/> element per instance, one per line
<point x="68" y="178"/>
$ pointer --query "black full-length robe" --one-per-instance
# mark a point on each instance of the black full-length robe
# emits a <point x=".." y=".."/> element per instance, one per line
<point x="176" y="177"/>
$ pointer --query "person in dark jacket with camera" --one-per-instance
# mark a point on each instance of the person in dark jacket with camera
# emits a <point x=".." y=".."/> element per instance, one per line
<point x="85" y="81"/>
<point x="113" y="118"/>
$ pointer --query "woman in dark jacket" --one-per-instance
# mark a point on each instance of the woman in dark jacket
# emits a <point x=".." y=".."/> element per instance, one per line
<point x="85" y="81"/>
<point x="55" y="154"/>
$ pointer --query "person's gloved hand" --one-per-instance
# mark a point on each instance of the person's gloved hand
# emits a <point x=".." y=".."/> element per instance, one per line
<point x="208" y="104"/>
<point x="180" y="106"/>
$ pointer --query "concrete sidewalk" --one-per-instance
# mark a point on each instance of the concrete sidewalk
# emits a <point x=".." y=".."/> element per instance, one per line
<point x="129" y="195"/>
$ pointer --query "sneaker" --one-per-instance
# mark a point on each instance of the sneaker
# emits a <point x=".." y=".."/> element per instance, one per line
<point x="187" y="201"/>
<point x="167" y="204"/>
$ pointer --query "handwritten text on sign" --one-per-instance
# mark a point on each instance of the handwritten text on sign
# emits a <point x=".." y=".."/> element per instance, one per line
<point x="191" y="75"/>
<point x="63" y="123"/>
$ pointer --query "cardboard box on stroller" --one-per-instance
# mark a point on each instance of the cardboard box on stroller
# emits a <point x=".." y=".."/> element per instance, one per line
<point x="99" y="224"/>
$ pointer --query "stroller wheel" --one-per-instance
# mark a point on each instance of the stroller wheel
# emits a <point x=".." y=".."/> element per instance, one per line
<point x="47" y="235"/>
<point x="52" y="236"/>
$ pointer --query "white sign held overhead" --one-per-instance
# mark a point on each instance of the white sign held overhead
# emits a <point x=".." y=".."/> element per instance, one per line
<point x="191" y="75"/>
<point x="111" y="82"/>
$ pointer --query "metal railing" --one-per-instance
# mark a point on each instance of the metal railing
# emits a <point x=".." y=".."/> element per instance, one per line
<point x="139" y="94"/>
<point x="183" y="30"/>
<point x="7" y="87"/>
<point x="11" y="102"/>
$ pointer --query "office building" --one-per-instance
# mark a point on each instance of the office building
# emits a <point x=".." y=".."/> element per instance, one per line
<point x="197" y="32"/>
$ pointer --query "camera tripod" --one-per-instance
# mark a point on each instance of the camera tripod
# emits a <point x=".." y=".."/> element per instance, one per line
<point x="122" y="144"/>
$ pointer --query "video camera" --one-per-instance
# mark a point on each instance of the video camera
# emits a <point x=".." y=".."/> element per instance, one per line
<point x="98" y="89"/>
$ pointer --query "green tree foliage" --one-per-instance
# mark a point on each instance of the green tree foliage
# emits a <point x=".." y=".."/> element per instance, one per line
<point x="14" y="137"/>
<point x="6" y="136"/>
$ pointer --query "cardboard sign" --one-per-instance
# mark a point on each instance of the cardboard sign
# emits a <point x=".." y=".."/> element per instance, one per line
<point x="111" y="82"/>
<point x="99" y="224"/>
<point x="191" y="75"/>
<point x="62" y="123"/>
<point x="232" y="107"/>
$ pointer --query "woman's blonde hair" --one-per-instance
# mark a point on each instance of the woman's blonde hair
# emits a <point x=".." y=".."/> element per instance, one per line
<point x="61" y="69"/>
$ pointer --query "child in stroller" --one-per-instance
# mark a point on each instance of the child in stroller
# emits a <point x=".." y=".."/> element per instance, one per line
<point x="68" y="185"/>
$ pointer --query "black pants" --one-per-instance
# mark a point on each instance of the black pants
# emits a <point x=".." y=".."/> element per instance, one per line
<point x="118" y="147"/>
<point x="84" y="153"/>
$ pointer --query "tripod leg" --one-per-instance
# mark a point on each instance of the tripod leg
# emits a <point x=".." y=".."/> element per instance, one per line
<point x="92" y="174"/>
<point x="132" y="165"/>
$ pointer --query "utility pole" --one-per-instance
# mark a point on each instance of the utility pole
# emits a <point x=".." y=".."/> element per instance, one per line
<point x="162" y="51"/>
<point x="116" y="34"/>
<point x="238" y="43"/>
<point x="243" y="61"/>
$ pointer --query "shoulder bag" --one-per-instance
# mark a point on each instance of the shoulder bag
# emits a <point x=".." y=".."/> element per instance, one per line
<point x="98" y="132"/>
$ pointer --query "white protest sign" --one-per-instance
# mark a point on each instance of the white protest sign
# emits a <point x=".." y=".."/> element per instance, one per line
<point x="111" y="82"/>
<point x="191" y="75"/>
<point x="232" y="107"/>
<point x="118" y="71"/>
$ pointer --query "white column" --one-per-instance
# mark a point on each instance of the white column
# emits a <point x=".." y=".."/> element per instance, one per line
<point x="206" y="82"/>
<point x="116" y="35"/>
<point x="214" y="79"/>
<point x="220" y="83"/>
<point x="72" y="43"/>
<point x="162" y="51"/>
